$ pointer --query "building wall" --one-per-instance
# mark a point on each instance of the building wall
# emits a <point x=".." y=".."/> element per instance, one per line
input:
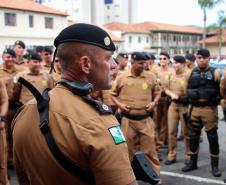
<point x="96" y="11"/>
<point x="175" y="43"/>
<point x="136" y="42"/>
<point x="38" y="35"/>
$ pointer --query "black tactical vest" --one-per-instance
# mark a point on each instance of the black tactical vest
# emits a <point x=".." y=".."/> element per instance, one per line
<point x="202" y="85"/>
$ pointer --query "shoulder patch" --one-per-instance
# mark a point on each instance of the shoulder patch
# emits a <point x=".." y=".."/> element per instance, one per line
<point x="117" y="134"/>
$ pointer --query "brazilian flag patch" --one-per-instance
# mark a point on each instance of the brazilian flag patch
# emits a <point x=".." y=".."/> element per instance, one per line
<point x="117" y="134"/>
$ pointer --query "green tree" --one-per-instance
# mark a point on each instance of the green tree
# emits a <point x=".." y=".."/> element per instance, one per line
<point x="205" y="5"/>
<point x="219" y="27"/>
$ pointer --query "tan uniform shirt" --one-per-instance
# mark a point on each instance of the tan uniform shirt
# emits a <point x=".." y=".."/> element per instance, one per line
<point x="178" y="84"/>
<point x="41" y="82"/>
<point x="9" y="77"/>
<point x="154" y="68"/>
<point x="82" y="134"/>
<point x="136" y="92"/>
<point x="56" y="77"/>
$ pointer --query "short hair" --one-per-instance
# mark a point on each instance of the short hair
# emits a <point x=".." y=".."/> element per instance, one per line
<point x="68" y="52"/>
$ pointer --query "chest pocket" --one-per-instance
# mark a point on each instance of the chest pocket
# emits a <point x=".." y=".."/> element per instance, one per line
<point x="136" y="93"/>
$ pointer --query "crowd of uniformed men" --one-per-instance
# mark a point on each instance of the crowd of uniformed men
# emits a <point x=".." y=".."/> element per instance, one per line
<point x="150" y="100"/>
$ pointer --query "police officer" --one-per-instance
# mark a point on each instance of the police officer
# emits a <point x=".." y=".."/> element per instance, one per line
<point x="133" y="94"/>
<point x="177" y="92"/>
<point x="8" y="73"/>
<point x="40" y="79"/>
<point x="162" y="108"/>
<point x="89" y="137"/>
<point x="19" y="48"/>
<point x="3" y="142"/>
<point x="46" y="58"/>
<point x="152" y="66"/>
<point x="57" y="73"/>
<point x="122" y="59"/>
<point x="203" y="92"/>
<point x="190" y="61"/>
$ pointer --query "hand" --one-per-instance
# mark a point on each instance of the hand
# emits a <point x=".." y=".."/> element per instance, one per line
<point x="174" y="97"/>
<point x="124" y="108"/>
<point x="2" y="125"/>
<point x="150" y="106"/>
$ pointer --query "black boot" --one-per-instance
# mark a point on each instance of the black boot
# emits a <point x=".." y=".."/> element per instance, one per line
<point x="214" y="165"/>
<point x="192" y="164"/>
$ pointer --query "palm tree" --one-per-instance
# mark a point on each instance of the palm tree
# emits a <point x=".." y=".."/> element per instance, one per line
<point x="219" y="28"/>
<point x="204" y="5"/>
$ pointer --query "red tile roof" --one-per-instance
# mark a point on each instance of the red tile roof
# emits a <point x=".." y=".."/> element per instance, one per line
<point x="28" y="5"/>
<point x="147" y="27"/>
<point x="214" y="39"/>
<point x="154" y="26"/>
<point x="118" y="26"/>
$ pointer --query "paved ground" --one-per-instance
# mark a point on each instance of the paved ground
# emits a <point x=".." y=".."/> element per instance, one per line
<point x="172" y="175"/>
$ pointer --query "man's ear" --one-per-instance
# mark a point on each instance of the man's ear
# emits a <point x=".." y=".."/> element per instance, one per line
<point x="85" y="64"/>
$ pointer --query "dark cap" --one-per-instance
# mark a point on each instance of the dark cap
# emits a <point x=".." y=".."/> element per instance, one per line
<point x="39" y="48"/>
<point x="87" y="34"/>
<point x="124" y="55"/>
<point x="138" y="56"/>
<point x="165" y="54"/>
<point x="34" y="56"/>
<point x="47" y="49"/>
<point x="203" y="52"/>
<point x="190" y="57"/>
<point x="179" y="59"/>
<point x="10" y="52"/>
<point x="149" y="56"/>
<point x="21" y="43"/>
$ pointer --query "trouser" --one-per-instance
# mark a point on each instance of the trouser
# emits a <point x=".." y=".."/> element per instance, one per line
<point x="3" y="158"/>
<point x="10" y="116"/>
<point x="207" y="117"/>
<point x="175" y="114"/>
<point x="161" y="122"/>
<point x="140" y="135"/>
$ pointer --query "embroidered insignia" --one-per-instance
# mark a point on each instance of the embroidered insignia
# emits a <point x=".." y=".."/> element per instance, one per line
<point x="107" y="41"/>
<point x="117" y="134"/>
<point x="105" y="107"/>
<point x="45" y="83"/>
<point x="145" y="86"/>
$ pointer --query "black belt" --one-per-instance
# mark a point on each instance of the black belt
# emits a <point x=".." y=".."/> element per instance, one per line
<point x="135" y="117"/>
<point x="202" y="104"/>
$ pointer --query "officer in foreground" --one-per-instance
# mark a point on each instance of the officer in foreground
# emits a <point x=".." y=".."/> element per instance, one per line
<point x="204" y="94"/>
<point x="86" y="133"/>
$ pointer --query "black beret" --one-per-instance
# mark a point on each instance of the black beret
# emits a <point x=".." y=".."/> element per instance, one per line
<point x="165" y="54"/>
<point x="190" y="57"/>
<point x="203" y="52"/>
<point x="48" y="49"/>
<point x="149" y="56"/>
<point x="87" y="34"/>
<point x="39" y="48"/>
<point x="21" y="43"/>
<point x="34" y="56"/>
<point x="179" y="59"/>
<point x="138" y="56"/>
<point x="124" y="55"/>
<point x="10" y="52"/>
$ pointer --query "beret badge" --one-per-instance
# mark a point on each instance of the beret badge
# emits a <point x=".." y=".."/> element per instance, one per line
<point x="107" y="41"/>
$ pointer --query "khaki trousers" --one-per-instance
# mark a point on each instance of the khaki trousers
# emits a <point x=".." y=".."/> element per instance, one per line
<point x="140" y="136"/>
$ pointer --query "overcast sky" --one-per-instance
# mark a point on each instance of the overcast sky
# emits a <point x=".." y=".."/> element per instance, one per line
<point x="181" y="12"/>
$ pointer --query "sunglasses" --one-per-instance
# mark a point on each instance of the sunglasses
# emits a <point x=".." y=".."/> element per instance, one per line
<point x="162" y="58"/>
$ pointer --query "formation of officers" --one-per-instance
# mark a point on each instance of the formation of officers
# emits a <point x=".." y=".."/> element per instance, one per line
<point x="149" y="100"/>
